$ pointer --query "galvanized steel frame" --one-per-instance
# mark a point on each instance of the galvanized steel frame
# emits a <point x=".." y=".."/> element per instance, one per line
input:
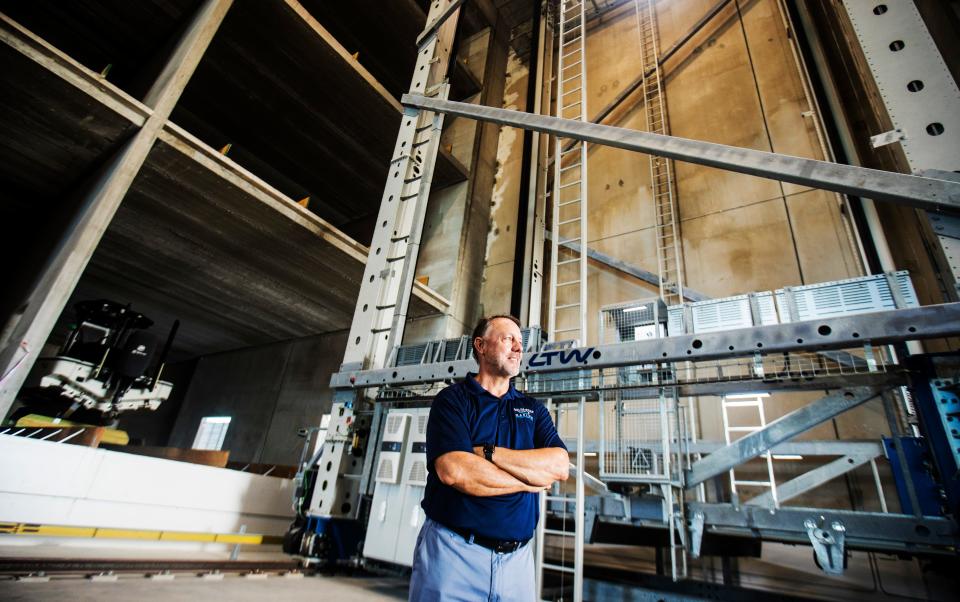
<point x="864" y="530"/>
<point x="923" y="192"/>
<point x="812" y="479"/>
<point x="778" y="431"/>
<point x="878" y="328"/>
<point x="380" y="314"/>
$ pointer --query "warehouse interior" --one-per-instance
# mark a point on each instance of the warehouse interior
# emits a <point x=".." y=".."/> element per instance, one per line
<point x="247" y="240"/>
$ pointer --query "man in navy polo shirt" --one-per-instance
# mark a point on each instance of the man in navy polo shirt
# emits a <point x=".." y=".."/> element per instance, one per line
<point x="490" y="451"/>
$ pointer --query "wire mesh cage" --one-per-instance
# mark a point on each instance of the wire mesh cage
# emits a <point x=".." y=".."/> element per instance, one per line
<point x="642" y="439"/>
<point x="640" y="434"/>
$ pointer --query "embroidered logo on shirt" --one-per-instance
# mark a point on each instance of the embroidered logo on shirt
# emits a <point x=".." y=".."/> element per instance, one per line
<point x="523" y="413"/>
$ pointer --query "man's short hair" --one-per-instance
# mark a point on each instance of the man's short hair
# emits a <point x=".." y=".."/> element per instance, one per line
<point x="481" y="329"/>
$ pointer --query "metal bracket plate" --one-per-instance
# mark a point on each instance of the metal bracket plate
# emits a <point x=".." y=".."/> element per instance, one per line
<point x="696" y="533"/>
<point x="827" y="545"/>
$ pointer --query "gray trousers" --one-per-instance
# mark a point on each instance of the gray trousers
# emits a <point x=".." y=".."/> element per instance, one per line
<point x="447" y="568"/>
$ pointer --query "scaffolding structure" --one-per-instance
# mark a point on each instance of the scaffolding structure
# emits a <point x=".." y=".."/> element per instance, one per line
<point x="639" y="375"/>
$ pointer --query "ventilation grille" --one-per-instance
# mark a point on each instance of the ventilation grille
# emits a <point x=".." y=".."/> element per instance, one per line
<point x="809" y="302"/>
<point x="418" y="473"/>
<point x="675" y="320"/>
<point x="723" y="314"/>
<point x="533" y="338"/>
<point x="394" y="424"/>
<point x="422" y="423"/>
<point x="844" y="298"/>
<point x="386" y="471"/>
<point x="410" y="355"/>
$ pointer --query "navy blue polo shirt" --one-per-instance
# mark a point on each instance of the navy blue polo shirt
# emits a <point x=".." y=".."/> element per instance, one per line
<point x="466" y="415"/>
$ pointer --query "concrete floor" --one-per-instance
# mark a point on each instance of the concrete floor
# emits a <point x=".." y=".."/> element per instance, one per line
<point x="190" y="588"/>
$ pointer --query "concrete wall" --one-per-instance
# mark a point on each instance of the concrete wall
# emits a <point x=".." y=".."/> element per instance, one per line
<point x="735" y="83"/>
<point x="269" y="392"/>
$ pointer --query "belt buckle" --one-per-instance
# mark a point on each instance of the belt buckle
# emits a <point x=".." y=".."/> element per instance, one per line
<point x="506" y="547"/>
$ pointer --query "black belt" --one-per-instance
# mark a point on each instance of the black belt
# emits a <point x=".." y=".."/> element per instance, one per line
<point x="500" y="546"/>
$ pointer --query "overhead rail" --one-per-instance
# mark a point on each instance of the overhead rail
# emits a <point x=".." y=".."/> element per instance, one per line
<point x="915" y="191"/>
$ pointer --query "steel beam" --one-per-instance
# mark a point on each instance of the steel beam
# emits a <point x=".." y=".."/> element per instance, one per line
<point x="725" y="387"/>
<point x="778" y="431"/>
<point x="811" y="479"/>
<point x="864" y="530"/>
<point x="629" y="269"/>
<point x="380" y="314"/>
<point x="891" y="326"/>
<point x="829" y="447"/>
<point x="916" y="191"/>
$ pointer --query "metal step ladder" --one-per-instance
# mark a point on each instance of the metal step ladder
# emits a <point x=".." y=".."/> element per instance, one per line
<point x="732" y="432"/>
<point x="568" y="265"/>
<point x="669" y="250"/>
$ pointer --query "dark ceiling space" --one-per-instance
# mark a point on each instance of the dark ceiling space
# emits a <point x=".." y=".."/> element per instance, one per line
<point x="198" y="238"/>
<point x="133" y="37"/>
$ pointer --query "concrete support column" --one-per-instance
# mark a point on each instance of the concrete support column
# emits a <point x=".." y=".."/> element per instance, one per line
<point x="27" y="330"/>
<point x="465" y="298"/>
<point x="458" y="217"/>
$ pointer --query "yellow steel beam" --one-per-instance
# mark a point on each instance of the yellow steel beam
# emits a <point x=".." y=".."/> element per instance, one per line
<point x="110" y="435"/>
<point x="34" y="529"/>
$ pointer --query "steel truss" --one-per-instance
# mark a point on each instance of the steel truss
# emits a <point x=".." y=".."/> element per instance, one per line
<point x="829" y="532"/>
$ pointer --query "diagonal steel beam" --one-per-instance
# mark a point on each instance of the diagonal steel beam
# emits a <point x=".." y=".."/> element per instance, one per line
<point x="810" y="480"/>
<point x="916" y="191"/>
<point x="628" y="268"/>
<point x="778" y="431"/>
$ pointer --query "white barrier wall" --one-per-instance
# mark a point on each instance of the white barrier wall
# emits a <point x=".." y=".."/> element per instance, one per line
<point x="52" y="483"/>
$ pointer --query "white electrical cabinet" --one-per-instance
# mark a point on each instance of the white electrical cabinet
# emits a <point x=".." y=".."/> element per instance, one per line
<point x="401" y="475"/>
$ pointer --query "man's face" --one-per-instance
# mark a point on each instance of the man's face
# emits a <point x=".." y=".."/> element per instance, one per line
<point x="501" y="349"/>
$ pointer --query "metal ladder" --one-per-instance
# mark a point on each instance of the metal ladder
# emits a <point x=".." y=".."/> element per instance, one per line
<point x="568" y="291"/>
<point x="734" y="432"/>
<point x="670" y="272"/>
<point x="669" y="252"/>
<point x="566" y="506"/>
<point x="672" y="489"/>
<point x="568" y="262"/>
